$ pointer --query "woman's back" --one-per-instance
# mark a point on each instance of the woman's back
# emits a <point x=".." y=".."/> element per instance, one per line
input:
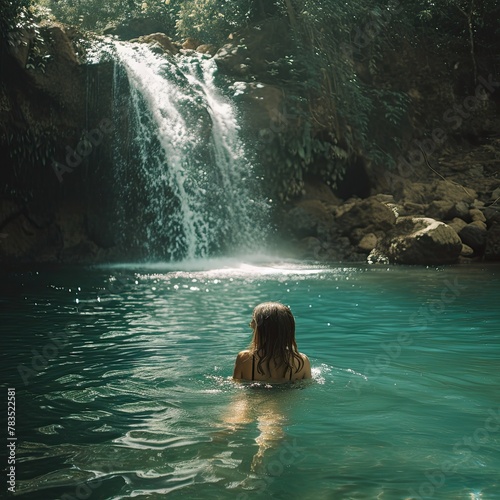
<point x="247" y="368"/>
<point x="272" y="355"/>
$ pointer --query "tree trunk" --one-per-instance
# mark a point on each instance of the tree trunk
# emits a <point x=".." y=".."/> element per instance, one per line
<point x="291" y="13"/>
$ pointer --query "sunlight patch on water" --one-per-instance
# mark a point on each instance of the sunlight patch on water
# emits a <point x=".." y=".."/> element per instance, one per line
<point x="201" y="271"/>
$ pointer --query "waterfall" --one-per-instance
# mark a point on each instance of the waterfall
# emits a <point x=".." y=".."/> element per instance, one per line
<point x="187" y="188"/>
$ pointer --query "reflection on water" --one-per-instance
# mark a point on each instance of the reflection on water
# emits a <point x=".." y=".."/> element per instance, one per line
<point x="122" y="378"/>
<point x="265" y="405"/>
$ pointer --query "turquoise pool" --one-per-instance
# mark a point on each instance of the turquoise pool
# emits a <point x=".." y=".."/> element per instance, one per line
<point x="122" y="389"/>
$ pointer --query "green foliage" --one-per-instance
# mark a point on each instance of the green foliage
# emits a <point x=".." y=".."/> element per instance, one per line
<point x="15" y="15"/>
<point x="30" y="147"/>
<point x="212" y="20"/>
<point x="31" y="151"/>
<point x="337" y="115"/>
<point x="330" y="69"/>
<point x="96" y="14"/>
<point x="452" y="17"/>
<point x="18" y="23"/>
<point x="208" y="20"/>
<point x="455" y="24"/>
<point x="39" y="54"/>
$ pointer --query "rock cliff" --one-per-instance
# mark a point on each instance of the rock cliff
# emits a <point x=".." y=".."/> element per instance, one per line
<point x="438" y="205"/>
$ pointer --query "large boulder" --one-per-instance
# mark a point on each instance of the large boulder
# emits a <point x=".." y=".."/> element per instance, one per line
<point x="135" y="27"/>
<point x="207" y="48"/>
<point x="367" y="243"/>
<point x="370" y="215"/>
<point x="310" y="218"/>
<point x="492" y="250"/>
<point x="441" y="210"/>
<point x="421" y="241"/>
<point x="191" y="43"/>
<point x="453" y="192"/>
<point x="260" y="49"/>
<point x="492" y="215"/>
<point x="160" y="39"/>
<point x="231" y="57"/>
<point x="20" y="44"/>
<point x="59" y="82"/>
<point x="474" y="235"/>
<point x="262" y="105"/>
<point x="425" y="193"/>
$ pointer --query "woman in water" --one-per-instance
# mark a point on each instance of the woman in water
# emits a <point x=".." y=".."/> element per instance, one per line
<point x="272" y="355"/>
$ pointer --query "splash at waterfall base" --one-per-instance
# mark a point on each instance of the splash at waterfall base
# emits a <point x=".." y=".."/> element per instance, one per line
<point x="139" y="210"/>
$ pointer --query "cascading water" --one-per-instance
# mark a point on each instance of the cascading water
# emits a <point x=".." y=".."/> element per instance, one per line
<point x="187" y="188"/>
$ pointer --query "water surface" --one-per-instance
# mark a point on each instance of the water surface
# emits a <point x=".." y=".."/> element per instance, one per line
<point x="122" y="378"/>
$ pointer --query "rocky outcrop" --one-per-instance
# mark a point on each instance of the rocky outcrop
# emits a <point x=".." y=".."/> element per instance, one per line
<point x="191" y="43"/>
<point x="159" y="40"/>
<point x="425" y="219"/>
<point x="206" y="48"/>
<point x="233" y="59"/>
<point x="474" y="236"/>
<point x="310" y="218"/>
<point x="52" y="110"/>
<point x="419" y="240"/>
<point x="363" y="217"/>
<point x="256" y="52"/>
<point x="35" y="236"/>
<point x="135" y="27"/>
<point x="492" y="250"/>
<point x="431" y="223"/>
<point x="262" y="105"/>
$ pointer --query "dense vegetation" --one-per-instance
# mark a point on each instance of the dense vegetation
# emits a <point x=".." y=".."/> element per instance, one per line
<point x="338" y="107"/>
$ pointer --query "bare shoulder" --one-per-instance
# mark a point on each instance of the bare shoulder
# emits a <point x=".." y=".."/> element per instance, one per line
<point x="243" y="356"/>
<point x="241" y="365"/>
<point x="304" y="357"/>
<point x="306" y="369"/>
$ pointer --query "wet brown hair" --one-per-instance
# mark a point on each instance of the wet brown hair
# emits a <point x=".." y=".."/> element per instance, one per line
<point x="273" y="338"/>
